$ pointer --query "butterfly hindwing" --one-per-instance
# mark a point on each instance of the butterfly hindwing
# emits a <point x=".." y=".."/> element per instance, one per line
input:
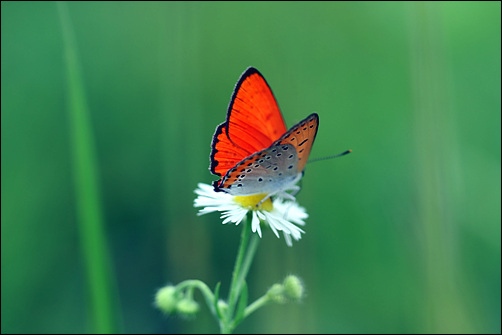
<point x="302" y="136"/>
<point x="266" y="171"/>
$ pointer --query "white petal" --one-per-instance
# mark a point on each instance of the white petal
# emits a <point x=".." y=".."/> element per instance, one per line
<point x="287" y="237"/>
<point x="284" y="216"/>
<point x="291" y="211"/>
<point x="255" y="223"/>
<point x="272" y="223"/>
<point x="234" y="215"/>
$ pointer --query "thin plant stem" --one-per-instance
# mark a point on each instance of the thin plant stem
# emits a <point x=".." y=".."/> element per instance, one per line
<point x="260" y="302"/>
<point x="243" y="262"/>
<point x="204" y="289"/>
<point x="89" y="212"/>
<point x="248" y="259"/>
<point x="253" y="245"/>
<point x="233" y="293"/>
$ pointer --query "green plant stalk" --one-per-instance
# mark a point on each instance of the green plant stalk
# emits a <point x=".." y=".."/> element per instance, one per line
<point x="248" y="260"/>
<point x="436" y="144"/>
<point x="89" y="212"/>
<point x="258" y="303"/>
<point x="225" y="324"/>
<point x="206" y="292"/>
<point x="243" y="262"/>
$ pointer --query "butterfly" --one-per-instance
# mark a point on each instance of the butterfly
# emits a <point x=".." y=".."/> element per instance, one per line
<point x="252" y="150"/>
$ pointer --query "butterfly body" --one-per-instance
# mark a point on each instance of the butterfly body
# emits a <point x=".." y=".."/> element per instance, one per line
<point x="252" y="149"/>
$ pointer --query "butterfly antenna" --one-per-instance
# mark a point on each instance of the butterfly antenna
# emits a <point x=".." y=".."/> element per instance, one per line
<point x="329" y="157"/>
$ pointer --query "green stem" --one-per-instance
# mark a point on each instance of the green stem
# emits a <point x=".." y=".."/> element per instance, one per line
<point x="234" y="293"/>
<point x="260" y="302"/>
<point x="204" y="289"/>
<point x="243" y="262"/>
<point x="253" y="245"/>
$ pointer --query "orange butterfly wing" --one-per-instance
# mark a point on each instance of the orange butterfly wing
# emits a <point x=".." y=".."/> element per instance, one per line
<point x="253" y="123"/>
<point x="302" y="136"/>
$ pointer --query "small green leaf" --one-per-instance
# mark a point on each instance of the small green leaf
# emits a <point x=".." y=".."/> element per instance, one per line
<point x="216" y="298"/>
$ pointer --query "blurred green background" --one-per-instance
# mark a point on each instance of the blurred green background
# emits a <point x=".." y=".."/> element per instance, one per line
<point x="403" y="234"/>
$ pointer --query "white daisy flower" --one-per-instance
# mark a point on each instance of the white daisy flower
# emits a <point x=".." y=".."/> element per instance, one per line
<point x="280" y="215"/>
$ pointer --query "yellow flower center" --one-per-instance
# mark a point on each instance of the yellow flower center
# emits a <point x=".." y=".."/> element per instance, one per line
<point x="250" y="201"/>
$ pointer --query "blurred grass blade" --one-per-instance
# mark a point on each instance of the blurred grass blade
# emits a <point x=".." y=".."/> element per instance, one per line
<point x="447" y="308"/>
<point x="89" y="212"/>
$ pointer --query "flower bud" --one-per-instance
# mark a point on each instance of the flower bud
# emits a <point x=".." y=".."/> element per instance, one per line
<point x="293" y="288"/>
<point x="166" y="299"/>
<point x="187" y="307"/>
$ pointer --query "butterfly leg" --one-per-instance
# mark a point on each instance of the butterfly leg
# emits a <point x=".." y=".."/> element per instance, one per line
<point x="264" y="199"/>
<point x="287" y="195"/>
<point x="291" y="196"/>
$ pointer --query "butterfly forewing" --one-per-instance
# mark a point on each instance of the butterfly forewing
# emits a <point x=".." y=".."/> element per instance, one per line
<point x="254" y="116"/>
<point x="228" y="153"/>
<point x="253" y="123"/>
